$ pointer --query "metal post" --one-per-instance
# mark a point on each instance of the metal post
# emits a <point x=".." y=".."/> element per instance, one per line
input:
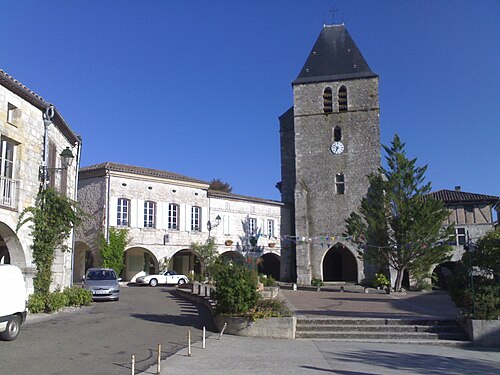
<point x="222" y="332"/>
<point x="158" y="365"/>
<point x="203" y="342"/>
<point x="189" y="343"/>
<point x="133" y="364"/>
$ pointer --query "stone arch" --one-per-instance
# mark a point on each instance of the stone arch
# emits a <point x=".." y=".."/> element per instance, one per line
<point x="270" y="265"/>
<point x="139" y="261"/>
<point x="11" y="250"/>
<point x="442" y="275"/>
<point x="83" y="260"/>
<point x="186" y="261"/>
<point x="340" y="264"/>
<point x="233" y="256"/>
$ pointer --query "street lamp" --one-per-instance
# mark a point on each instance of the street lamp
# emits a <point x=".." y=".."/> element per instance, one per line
<point x="211" y="226"/>
<point x="469" y="247"/>
<point x="66" y="161"/>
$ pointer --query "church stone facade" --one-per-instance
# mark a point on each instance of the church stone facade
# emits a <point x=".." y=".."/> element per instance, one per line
<point x="330" y="143"/>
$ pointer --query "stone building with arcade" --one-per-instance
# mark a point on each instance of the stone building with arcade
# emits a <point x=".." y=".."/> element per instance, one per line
<point x="166" y="212"/>
<point x="33" y="135"/>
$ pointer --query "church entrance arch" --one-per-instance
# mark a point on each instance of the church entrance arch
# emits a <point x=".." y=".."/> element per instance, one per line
<point x="339" y="264"/>
<point x="186" y="261"/>
<point x="270" y="265"/>
<point x="139" y="261"/>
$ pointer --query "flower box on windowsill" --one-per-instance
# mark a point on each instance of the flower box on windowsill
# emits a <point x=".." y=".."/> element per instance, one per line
<point x="272" y="244"/>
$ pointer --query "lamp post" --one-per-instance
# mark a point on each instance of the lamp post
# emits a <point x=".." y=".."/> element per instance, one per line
<point x="211" y="226"/>
<point x="66" y="161"/>
<point x="470" y="248"/>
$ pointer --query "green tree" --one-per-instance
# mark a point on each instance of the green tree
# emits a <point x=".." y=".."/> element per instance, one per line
<point x="487" y="254"/>
<point x="112" y="251"/>
<point x="398" y="223"/>
<point x="51" y="220"/>
<point x="219" y="185"/>
<point x="207" y="252"/>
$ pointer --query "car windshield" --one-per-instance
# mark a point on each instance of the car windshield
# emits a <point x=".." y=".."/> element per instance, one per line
<point x="101" y="275"/>
<point x="167" y="272"/>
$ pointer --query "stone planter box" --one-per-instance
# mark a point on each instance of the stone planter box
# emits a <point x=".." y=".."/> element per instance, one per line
<point x="483" y="332"/>
<point x="269" y="292"/>
<point x="278" y="328"/>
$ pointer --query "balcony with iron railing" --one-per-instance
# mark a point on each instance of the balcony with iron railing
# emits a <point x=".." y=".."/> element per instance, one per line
<point x="8" y="192"/>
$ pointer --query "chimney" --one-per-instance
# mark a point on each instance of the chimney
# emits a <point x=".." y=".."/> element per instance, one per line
<point x="458" y="188"/>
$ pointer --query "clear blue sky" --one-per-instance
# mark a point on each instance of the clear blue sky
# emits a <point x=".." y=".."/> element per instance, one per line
<point x="196" y="87"/>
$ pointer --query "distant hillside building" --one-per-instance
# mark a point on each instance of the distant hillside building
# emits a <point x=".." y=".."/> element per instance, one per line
<point x="330" y="143"/>
<point x="28" y="141"/>
<point x="165" y="212"/>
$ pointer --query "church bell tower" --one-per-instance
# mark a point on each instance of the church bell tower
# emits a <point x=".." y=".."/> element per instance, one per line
<point x="330" y="143"/>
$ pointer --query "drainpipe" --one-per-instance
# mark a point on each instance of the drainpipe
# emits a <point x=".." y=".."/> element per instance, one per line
<point x="78" y="157"/>
<point x="47" y="120"/>
<point x="108" y="193"/>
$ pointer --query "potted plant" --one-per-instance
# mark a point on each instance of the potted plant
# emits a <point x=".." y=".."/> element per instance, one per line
<point x="271" y="244"/>
<point x="228" y="243"/>
<point x="318" y="283"/>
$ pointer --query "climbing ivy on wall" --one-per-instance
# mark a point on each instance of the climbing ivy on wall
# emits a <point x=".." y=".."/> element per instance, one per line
<point x="50" y="220"/>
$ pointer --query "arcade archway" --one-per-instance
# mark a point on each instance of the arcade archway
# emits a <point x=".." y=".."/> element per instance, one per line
<point x="139" y="261"/>
<point x="442" y="275"/>
<point x="11" y="251"/>
<point x="233" y="257"/>
<point x="339" y="264"/>
<point x="84" y="259"/>
<point x="270" y="265"/>
<point x="186" y="261"/>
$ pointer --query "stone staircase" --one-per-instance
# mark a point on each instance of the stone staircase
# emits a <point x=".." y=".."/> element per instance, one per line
<point x="382" y="330"/>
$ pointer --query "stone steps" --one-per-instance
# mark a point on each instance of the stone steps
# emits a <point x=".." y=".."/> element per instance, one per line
<point x="381" y="330"/>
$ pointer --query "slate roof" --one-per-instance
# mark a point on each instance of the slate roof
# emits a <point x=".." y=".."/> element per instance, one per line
<point x="100" y="170"/>
<point x="334" y="57"/>
<point x="225" y="195"/>
<point x="36" y="100"/>
<point x="455" y="196"/>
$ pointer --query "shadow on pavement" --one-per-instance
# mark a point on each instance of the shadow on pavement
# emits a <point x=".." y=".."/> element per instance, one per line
<point x="421" y="363"/>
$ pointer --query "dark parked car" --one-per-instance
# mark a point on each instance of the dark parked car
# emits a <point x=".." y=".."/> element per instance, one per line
<point x="103" y="284"/>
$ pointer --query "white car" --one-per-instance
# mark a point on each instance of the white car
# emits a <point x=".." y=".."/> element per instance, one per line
<point x="165" y="277"/>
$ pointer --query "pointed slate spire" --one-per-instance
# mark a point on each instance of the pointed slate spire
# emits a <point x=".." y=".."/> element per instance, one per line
<point x="334" y="57"/>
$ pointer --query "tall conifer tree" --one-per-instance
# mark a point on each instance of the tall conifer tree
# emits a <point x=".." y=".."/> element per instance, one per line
<point x="398" y="223"/>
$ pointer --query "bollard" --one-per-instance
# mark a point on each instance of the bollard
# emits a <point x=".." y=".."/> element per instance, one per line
<point x="294" y="286"/>
<point x="158" y="364"/>
<point x="222" y="332"/>
<point x="189" y="343"/>
<point x="203" y="342"/>
<point x="341" y="289"/>
<point x="133" y="364"/>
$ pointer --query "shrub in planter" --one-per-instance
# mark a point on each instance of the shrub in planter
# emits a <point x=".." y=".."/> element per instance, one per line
<point x="267" y="280"/>
<point x="269" y="308"/>
<point x="236" y="289"/>
<point x="381" y="281"/>
<point x="317" y="282"/>
<point x="78" y="296"/>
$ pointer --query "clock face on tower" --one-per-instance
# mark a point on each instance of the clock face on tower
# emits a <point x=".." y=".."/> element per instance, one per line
<point x="337" y="148"/>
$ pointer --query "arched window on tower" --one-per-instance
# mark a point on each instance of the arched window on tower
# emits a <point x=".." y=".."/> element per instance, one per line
<point x="337" y="134"/>
<point x="342" y="99"/>
<point x="339" y="184"/>
<point x="327" y="100"/>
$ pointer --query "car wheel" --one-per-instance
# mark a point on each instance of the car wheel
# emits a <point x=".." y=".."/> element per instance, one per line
<point x="12" y="329"/>
<point x="181" y="281"/>
<point x="153" y="282"/>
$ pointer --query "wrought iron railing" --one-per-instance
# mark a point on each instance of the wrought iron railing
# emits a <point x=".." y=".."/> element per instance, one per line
<point x="8" y="192"/>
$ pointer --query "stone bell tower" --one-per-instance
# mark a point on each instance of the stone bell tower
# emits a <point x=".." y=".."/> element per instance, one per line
<point x="330" y="143"/>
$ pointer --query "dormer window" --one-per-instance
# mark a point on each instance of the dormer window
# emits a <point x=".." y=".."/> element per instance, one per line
<point x="327" y="100"/>
<point x="342" y="99"/>
<point x="337" y="134"/>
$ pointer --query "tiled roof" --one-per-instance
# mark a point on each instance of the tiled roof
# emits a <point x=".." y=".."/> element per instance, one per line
<point x="36" y="100"/>
<point x="225" y="195"/>
<point x="100" y="169"/>
<point x="455" y="196"/>
<point x="334" y="57"/>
